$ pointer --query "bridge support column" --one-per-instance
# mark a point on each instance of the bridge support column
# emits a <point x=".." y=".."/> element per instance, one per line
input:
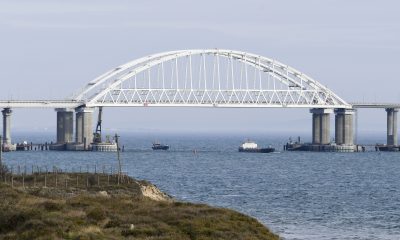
<point x="316" y="123"/>
<point x="321" y="125"/>
<point x="7" y="127"/>
<point x="344" y="126"/>
<point x="392" y="126"/>
<point x="84" y="133"/>
<point x="65" y="125"/>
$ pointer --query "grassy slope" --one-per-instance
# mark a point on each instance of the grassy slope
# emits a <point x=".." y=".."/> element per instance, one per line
<point x="35" y="214"/>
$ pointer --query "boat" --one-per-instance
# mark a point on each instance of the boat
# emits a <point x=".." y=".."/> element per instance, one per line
<point x="295" y="146"/>
<point x="250" y="146"/>
<point x="159" y="146"/>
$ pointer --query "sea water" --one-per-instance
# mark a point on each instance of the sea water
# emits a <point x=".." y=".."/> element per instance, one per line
<point x="298" y="195"/>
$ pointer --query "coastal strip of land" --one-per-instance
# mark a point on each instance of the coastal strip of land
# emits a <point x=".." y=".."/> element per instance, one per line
<point x="100" y="206"/>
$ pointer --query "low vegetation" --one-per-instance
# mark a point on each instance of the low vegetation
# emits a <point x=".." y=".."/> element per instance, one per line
<point x="96" y="211"/>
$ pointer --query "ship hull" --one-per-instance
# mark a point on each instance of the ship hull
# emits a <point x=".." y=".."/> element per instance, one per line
<point x="257" y="150"/>
<point x="160" y="147"/>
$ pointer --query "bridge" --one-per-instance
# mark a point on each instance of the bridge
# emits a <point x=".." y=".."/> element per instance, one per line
<point x="203" y="78"/>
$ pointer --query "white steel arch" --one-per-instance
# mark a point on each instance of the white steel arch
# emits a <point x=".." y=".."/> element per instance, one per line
<point x="211" y="77"/>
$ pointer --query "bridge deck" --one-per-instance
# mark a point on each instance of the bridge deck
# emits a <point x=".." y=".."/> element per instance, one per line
<point x="75" y="104"/>
<point x="40" y="103"/>
<point x="375" y="105"/>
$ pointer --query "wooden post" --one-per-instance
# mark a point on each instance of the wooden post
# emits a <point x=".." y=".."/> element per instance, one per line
<point x="12" y="177"/>
<point x="1" y="159"/>
<point x="118" y="157"/>
<point x="1" y="152"/>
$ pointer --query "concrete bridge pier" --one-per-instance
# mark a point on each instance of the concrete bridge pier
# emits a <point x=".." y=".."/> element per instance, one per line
<point x="7" y="129"/>
<point x="321" y="126"/>
<point x="392" y="126"/>
<point x="65" y="125"/>
<point x="344" y="126"/>
<point x="83" y="127"/>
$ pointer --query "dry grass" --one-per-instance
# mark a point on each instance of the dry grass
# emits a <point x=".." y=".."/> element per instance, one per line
<point x="38" y="214"/>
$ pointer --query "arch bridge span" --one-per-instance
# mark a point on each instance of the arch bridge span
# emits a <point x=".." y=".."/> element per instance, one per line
<point x="207" y="78"/>
<point x="204" y="78"/>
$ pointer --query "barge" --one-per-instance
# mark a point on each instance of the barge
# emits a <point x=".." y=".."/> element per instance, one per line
<point x="250" y="146"/>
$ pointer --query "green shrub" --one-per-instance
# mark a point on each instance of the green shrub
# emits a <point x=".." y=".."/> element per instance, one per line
<point x="52" y="206"/>
<point x="96" y="214"/>
<point x="92" y="180"/>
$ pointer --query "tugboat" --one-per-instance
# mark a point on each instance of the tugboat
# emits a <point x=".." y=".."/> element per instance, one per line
<point x="294" y="146"/>
<point x="250" y="146"/>
<point x="159" y="146"/>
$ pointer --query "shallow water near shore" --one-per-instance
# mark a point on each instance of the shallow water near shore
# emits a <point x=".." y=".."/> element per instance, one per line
<point x="299" y="195"/>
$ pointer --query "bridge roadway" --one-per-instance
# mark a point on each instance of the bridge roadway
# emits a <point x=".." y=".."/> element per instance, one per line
<point x="76" y="104"/>
<point x="376" y="105"/>
<point x="40" y="103"/>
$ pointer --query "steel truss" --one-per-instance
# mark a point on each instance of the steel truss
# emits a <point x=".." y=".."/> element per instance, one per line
<point x="212" y="77"/>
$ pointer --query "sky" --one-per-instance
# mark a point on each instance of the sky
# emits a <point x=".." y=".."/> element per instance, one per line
<point x="50" y="49"/>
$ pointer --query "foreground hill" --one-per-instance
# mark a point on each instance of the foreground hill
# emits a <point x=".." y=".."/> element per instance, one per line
<point x="129" y="210"/>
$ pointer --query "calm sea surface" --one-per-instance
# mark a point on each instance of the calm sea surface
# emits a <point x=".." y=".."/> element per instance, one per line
<point x="299" y="195"/>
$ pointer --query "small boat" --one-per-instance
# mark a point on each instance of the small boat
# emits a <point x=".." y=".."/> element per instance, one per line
<point x="159" y="146"/>
<point x="250" y="146"/>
